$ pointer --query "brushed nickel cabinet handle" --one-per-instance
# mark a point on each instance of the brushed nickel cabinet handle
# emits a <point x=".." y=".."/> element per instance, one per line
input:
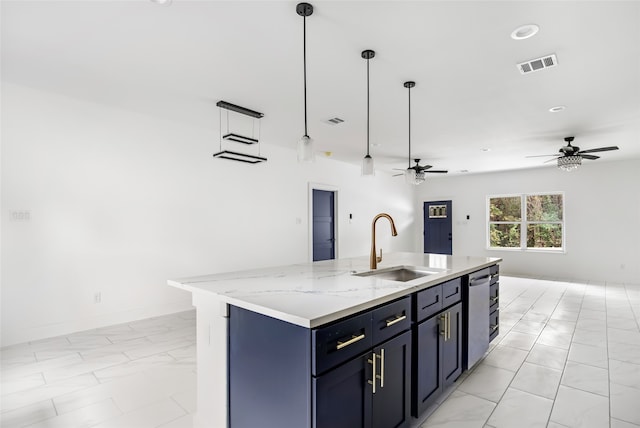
<point x="494" y="299"/>
<point x="494" y="327"/>
<point x="382" y="368"/>
<point x="373" y="381"/>
<point x="443" y="326"/>
<point x="351" y="341"/>
<point x="396" y="320"/>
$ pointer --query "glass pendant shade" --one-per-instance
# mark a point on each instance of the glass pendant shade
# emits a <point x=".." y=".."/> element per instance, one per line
<point x="569" y="163"/>
<point x="367" y="166"/>
<point x="305" y="150"/>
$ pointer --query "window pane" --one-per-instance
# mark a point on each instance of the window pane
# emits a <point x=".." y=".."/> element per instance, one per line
<point x="544" y="208"/>
<point x="505" y="209"/>
<point x="504" y="235"/>
<point x="544" y="236"/>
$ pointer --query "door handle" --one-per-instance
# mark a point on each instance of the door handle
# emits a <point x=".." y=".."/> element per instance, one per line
<point x="448" y="325"/>
<point x="373" y="380"/>
<point x="382" y="368"/>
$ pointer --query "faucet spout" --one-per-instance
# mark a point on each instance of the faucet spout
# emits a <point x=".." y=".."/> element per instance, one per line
<point x="375" y="259"/>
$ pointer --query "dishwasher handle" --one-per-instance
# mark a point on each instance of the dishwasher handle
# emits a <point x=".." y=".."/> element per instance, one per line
<point x="479" y="280"/>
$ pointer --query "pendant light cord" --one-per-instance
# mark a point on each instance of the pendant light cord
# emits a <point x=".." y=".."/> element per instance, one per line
<point x="409" y="127"/>
<point x="367" y="107"/>
<point x="304" y="61"/>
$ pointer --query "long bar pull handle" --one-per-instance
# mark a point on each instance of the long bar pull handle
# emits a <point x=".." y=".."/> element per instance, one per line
<point x="396" y="320"/>
<point x="351" y="341"/>
<point x="373" y="381"/>
<point x="494" y="327"/>
<point x="443" y="326"/>
<point x="494" y="299"/>
<point x="448" y="325"/>
<point x="381" y="377"/>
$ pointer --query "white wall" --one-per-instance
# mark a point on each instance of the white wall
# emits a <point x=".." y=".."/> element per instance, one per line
<point x="602" y="210"/>
<point x="120" y="202"/>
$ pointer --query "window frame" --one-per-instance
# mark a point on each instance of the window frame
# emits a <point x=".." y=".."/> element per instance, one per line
<point x="524" y="223"/>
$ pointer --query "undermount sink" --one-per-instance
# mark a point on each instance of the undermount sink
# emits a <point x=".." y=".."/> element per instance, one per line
<point x="400" y="273"/>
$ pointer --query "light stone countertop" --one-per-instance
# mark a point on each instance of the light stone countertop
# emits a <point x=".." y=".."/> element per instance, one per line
<point x="314" y="294"/>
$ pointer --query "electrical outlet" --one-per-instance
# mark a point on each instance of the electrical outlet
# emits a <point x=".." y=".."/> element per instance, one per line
<point x="97" y="298"/>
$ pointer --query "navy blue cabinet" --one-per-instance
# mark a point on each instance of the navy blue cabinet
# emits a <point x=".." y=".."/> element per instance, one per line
<point x="343" y="395"/>
<point x="392" y="399"/>
<point x="437" y="359"/>
<point x="371" y="391"/>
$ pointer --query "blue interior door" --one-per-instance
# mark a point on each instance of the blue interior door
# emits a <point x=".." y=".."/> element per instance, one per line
<point x="438" y="227"/>
<point x="323" y="225"/>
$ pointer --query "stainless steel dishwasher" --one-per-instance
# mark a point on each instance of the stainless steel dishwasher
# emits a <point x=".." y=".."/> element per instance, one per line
<point x="476" y="334"/>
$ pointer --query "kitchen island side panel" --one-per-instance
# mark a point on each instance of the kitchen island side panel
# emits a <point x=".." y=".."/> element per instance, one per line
<point x="269" y="372"/>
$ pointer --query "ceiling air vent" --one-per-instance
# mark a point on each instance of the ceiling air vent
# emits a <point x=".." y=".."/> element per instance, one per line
<point x="335" y="121"/>
<point x="538" y="64"/>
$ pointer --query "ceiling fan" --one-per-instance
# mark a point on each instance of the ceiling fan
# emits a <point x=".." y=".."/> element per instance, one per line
<point x="420" y="169"/>
<point x="414" y="174"/>
<point x="570" y="157"/>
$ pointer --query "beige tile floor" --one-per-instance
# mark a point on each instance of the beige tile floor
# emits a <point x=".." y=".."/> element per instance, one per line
<point x="568" y="355"/>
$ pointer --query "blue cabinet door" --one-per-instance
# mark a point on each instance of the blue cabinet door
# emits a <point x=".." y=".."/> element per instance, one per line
<point x="343" y="396"/>
<point x="392" y="399"/>
<point x="452" y="346"/>
<point x="428" y="382"/>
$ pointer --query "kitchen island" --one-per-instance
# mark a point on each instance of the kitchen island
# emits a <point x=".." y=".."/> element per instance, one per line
<point x="304" y="299"/>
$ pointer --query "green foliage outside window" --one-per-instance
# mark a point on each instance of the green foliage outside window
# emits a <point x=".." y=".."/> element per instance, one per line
<point x="543" y="221"/>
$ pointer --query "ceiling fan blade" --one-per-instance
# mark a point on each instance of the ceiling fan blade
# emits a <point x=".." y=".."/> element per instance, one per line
<point x="397" y="175"/>
<point x="540" y="156"/>
<point x="601" y="149"/>
<point x="426" y="167"/>
<point x="399" y="169"/>
<point x="437" y="171"/>
<point x="551" y="160"/>
<point x="592" y="157"/>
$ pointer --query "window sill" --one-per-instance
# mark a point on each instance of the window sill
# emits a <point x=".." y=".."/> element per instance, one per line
<point x="529" y="250"/>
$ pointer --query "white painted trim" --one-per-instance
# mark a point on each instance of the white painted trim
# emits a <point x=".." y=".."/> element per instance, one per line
<point x="329" y="188"/>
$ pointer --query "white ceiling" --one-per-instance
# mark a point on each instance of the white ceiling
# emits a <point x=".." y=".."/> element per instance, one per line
<point x="176" y="61"/>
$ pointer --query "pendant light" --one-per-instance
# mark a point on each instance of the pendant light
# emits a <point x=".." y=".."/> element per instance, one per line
<point x="367" y="162"/>
<point x="411" y="176"/>
<point x="305" y="145"/>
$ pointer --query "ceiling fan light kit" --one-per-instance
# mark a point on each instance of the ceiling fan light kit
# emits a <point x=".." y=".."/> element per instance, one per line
<point x="569" y="163"/>
<point x="571" y="156"/>
<point x="305" y="148"/>
<point x="367" y="162"/>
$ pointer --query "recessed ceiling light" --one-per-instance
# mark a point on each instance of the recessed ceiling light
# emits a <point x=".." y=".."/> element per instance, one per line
<point x="525" y="31"/>
<point x="556" y="109"/>
<point x="485" y="149"/>
<point x="464" y="170"/>
<point x="162" y="2"/>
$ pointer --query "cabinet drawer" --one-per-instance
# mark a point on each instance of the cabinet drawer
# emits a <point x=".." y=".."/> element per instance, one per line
<point x="428" y="302"/>
<point x="494" y="324"/>
<point x="494" y="296"/>
<point x="391" y="319"/>
<point x="494" y="271"/>
<point x="341" y="341"/>
<point x="451" y="292"/>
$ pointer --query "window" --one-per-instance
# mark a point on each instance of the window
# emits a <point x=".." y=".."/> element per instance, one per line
<point x="526" y="222"/>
